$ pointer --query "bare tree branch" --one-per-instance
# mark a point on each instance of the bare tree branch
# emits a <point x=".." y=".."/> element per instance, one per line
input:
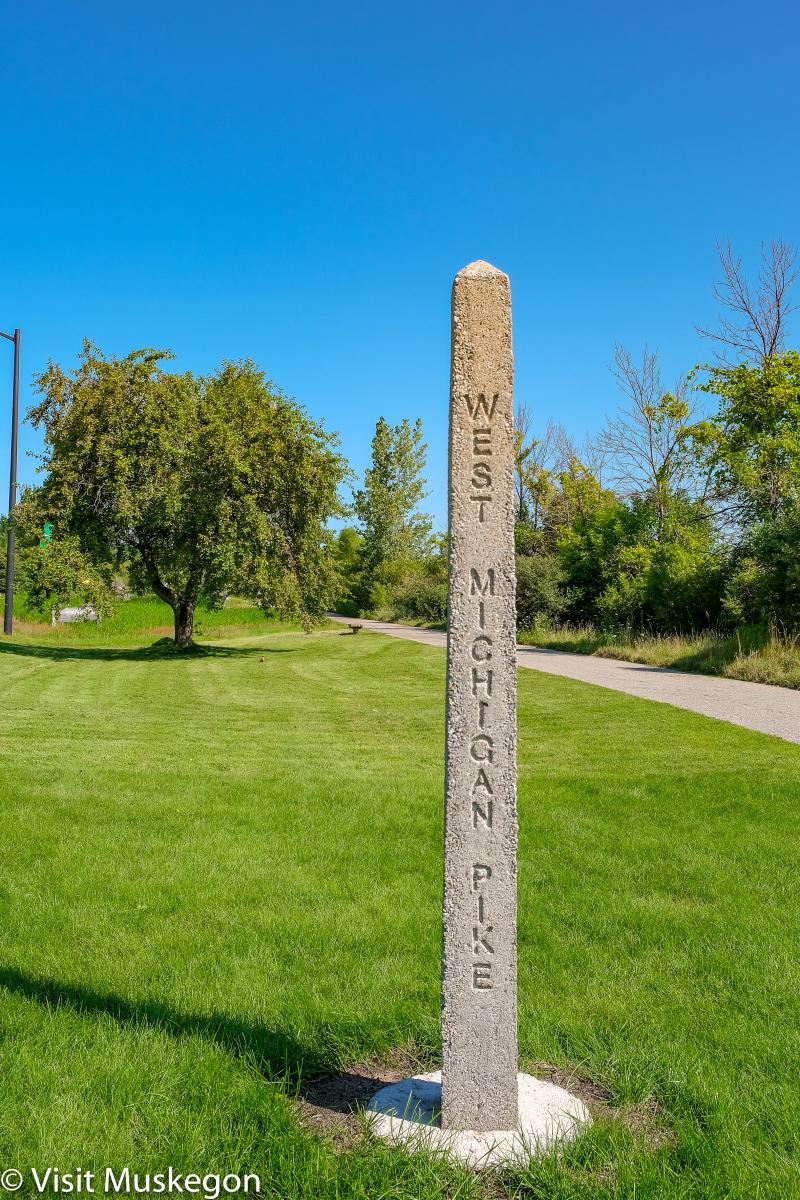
<point x="645" y="444"/>
<point x="536" y="461"/>
<point x="757" y="329"/>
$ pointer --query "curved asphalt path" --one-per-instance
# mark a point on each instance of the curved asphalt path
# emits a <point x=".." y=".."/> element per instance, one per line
<point x="758" y="706"/>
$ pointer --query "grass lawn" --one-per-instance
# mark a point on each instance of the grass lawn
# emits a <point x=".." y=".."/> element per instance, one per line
<point x="221" y="877"/>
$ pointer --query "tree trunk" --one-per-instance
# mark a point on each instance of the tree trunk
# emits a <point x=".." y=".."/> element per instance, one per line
<point x="184" y="623"/>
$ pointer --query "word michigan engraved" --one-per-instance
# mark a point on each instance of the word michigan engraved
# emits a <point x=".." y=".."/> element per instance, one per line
<point x="479" y="967"/>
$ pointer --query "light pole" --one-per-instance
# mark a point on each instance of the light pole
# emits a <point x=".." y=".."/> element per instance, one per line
<point x="8" y="618"/>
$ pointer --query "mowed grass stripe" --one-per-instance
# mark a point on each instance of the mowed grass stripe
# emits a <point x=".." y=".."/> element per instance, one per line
<point x="221" y="871"/>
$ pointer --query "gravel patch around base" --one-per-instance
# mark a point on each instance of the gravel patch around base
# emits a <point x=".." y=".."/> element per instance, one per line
<point x="334" y="1106"/>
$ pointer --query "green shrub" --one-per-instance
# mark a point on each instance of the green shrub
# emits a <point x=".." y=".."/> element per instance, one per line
<point x="540" y="594"/>
<point x="421" y="597"/>
<point x="59" y="573"/>
<point x="764" y="582"/>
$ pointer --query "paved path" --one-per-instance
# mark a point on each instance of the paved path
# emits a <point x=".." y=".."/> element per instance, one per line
<point x="758" y="706"/>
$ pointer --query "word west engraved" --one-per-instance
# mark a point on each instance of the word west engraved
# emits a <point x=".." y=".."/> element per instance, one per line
<point x="479" y="1003"/>
<point x="481" y="481"/>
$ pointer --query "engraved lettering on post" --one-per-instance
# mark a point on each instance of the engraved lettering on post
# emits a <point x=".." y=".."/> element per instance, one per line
<point x="480" y="872"/>
<point x="478" y="585"/>
<point x="482" y="441"/>
<point x="479" y="680"/>
<point x="482" y="748"/>
<point x="482" y="977"/>
<point x="482" y="781"/>
<point x="479" y="1046"/>
<point x="482" y="812"/>
<point x="475" y="406"/>
<point x="481" y="476"/>
<point x="479" y="942"/>
<point x="481" y="651"/>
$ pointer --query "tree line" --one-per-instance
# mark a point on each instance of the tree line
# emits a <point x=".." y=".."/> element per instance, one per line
<point x="682" y="514"/>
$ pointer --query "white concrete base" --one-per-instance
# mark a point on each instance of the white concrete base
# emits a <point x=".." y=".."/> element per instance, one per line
<point x="408" y="1114"/>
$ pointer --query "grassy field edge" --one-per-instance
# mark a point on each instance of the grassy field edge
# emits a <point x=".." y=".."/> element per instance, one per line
<point x="754" y="655"/>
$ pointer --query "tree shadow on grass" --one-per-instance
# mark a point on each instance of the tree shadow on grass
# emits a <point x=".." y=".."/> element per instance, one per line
<point x="155" y="653"/>
<point x="279" y="1057"/>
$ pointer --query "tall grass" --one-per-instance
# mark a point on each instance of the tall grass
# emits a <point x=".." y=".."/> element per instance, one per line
<point x="754" y="652"/>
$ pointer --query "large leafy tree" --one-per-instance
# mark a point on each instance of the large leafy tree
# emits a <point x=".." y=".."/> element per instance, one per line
<point x="200" y="484"/>
<point x="637" y="561"/>
<point x="752" y="448"/>
<point x="752" y="444"/>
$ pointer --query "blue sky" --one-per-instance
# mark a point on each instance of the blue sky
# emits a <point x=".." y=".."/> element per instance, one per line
<point x="299" y="184"/>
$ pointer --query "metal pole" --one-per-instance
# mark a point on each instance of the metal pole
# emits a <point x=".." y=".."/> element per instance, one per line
<point x="8" y="616"/>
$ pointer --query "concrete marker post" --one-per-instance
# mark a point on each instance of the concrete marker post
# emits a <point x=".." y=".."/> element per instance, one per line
<point x="479" y="966"/>
<point x="478" y="1109"/>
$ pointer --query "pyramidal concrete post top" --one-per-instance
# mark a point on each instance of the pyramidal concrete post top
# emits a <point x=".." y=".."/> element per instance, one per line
<point x="479" y="267"/>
